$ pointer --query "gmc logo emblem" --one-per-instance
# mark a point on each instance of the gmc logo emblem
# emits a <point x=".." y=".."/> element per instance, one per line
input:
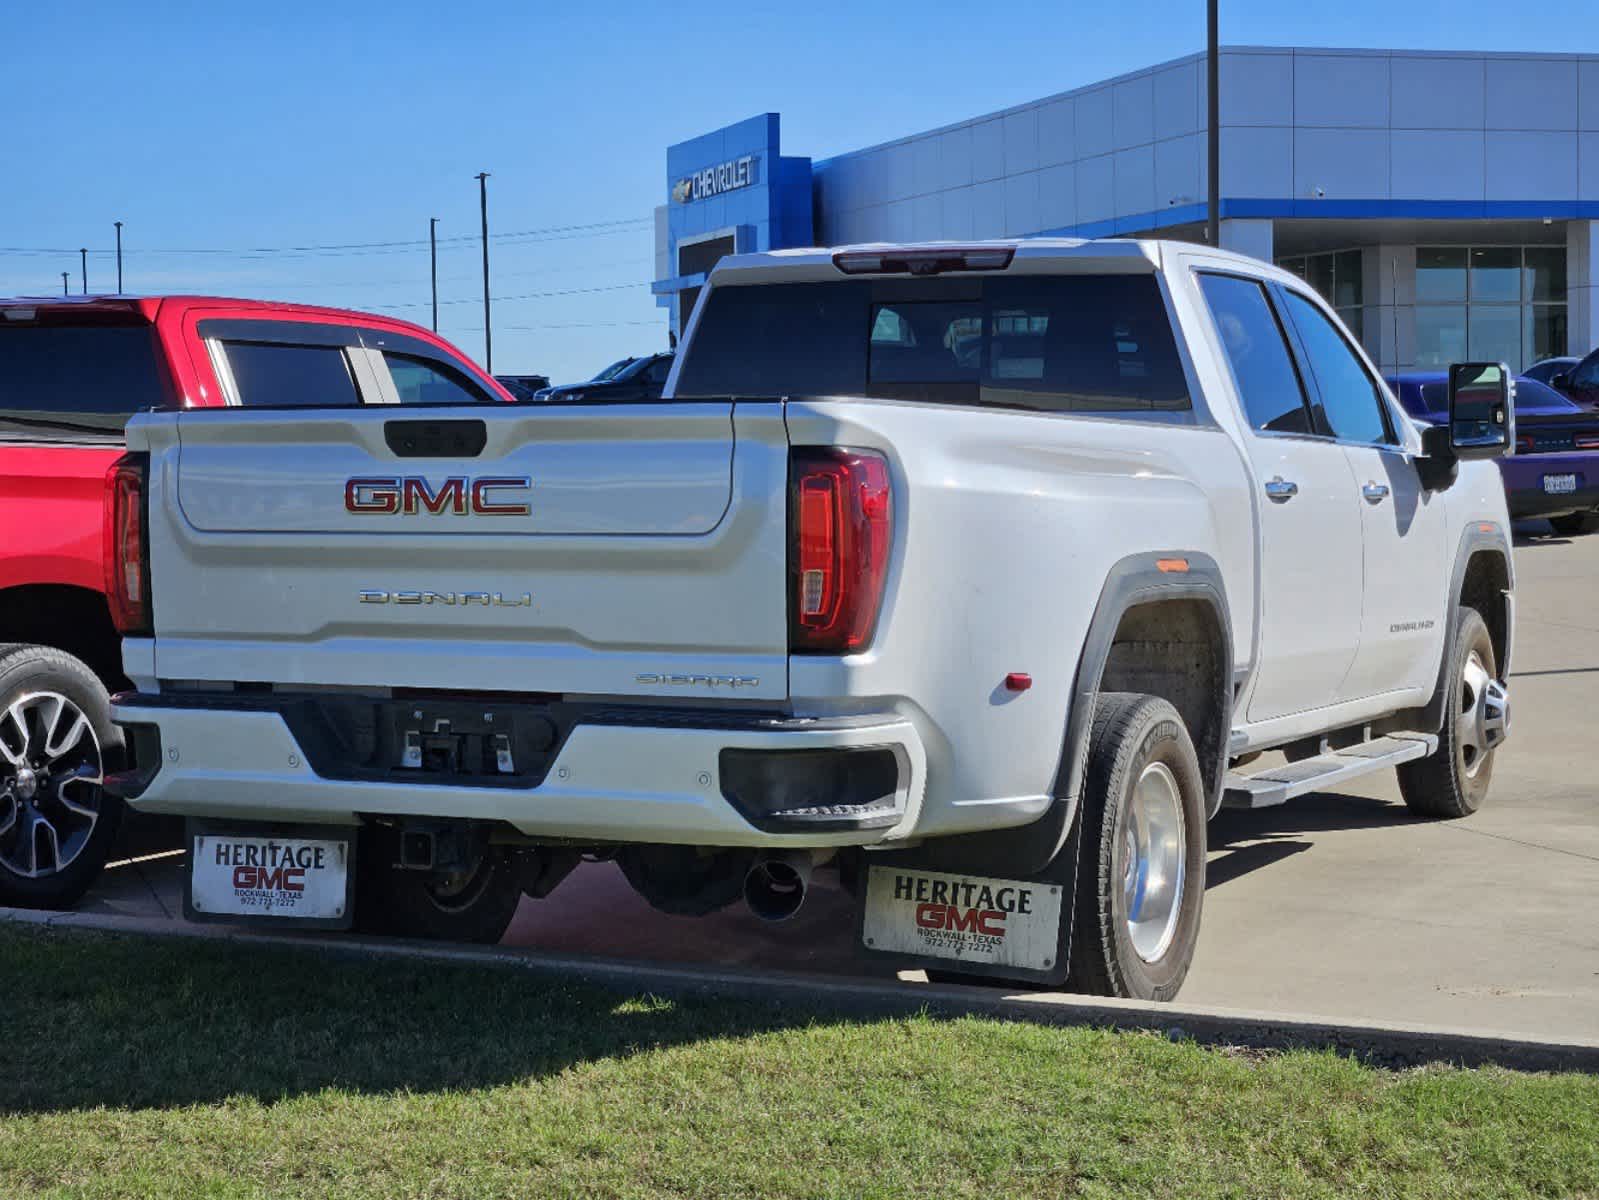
<point x="270" y="879"/>
<point x="990" y="922"/>
<point x="391" y="495"/>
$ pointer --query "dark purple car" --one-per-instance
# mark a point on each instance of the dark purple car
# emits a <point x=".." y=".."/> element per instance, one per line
<point x="1555" y="470"/>
<point x="1580" y="382"/>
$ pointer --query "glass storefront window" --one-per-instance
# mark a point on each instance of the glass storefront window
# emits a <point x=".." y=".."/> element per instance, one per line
<point x="1319" y="274"/>
<point x="1440" y="334"/>
<point x="1493" y="334"/>
<point x="1346" y="285"/>
<point x="1544" y="273"/>
<point x="1440" y="274"/>
<point x="1544" y="335"/>
<point x="1496" y="275"/>
<point x="1490" y="303"/>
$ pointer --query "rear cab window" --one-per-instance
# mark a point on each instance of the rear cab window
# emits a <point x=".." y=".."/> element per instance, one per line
<point x="1092" y="344"/>
<point x="71" y="382"/>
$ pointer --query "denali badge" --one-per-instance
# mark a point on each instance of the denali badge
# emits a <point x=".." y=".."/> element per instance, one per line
<point x="651" y="679"/>
<point x="488" y="599"/>
<point x="388" y="495"/>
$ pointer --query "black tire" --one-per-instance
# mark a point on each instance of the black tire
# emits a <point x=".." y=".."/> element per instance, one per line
<point x="29" y="676"/>
<point x="1133" y="735"/>
<point x="1573" y="524"/>
<point x="1453" y="781"/>
<point x="472" y="906"/>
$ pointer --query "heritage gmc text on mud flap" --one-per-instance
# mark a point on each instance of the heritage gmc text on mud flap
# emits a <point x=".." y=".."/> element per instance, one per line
<point x="728" y="640"/>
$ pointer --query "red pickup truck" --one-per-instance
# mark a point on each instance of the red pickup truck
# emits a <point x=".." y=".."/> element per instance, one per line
<point x="71" y="373"/>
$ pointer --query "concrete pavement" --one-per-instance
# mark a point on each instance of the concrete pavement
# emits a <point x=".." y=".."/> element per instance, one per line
<point x="1335" y="904"/>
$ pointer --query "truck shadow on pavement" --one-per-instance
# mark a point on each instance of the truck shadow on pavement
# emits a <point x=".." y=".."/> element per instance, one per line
<point x="1242" y="841"/>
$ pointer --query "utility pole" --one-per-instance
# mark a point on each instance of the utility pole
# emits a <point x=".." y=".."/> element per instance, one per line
<point x="1213" y="125"/>
<point x="83" y="259"/>
<point x="433" y="261"/>
<point x="64" y="291"/>
<point x="118" y="224"/>
<point x="488" y="329"/>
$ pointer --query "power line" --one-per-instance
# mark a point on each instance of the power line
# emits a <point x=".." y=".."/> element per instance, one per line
<point x="343" y="249"/>
<point x="452" y="330"/>
<point x="614" y="287"/>
<point x="411" y="280"/>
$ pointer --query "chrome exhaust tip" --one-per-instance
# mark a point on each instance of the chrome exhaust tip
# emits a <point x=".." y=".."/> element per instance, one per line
<point x="776" y="884"/>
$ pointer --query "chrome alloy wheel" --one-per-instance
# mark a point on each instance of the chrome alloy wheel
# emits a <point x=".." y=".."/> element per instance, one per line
<point x="1484" y="718"/>
<point x="1154" y="866"/>
<point x="50" y="776"/>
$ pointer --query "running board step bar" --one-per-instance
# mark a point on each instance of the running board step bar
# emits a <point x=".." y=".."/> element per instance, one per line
<point x="1278" y="785"/>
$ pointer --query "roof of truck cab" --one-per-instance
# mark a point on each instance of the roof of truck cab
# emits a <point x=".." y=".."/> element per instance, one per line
<point x="815" y="263"/>
<point x="147" y="307"/>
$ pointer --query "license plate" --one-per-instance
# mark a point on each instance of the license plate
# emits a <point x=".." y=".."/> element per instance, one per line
<point x="1559" y="485"/>
<point x="249" y="875"/>
<point x="932" y="914"/>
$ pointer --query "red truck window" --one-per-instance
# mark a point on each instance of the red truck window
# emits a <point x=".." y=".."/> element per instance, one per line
<point x="419" y="381"/>
<point x="65" y="381"/>
<point x="276" y="375"/>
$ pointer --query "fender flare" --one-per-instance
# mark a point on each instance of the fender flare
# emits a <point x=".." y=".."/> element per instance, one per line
<point x="1477" y="536"/>
<point x="1028" y="850"/>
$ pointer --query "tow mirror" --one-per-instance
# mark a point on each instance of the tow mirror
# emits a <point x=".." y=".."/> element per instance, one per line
<point x="1482" y="422"/>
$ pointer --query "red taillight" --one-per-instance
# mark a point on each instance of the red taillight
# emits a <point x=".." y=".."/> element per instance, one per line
<point x="1587" y="441"/>
<point x="843" y="524"/>
<point x="127" y="567"/>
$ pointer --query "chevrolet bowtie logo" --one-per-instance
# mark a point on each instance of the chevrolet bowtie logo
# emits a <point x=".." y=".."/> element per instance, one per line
<point x="682" y="190"/>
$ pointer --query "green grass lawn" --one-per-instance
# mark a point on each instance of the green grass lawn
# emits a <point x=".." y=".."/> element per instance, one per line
<point x="132" y="1067"/>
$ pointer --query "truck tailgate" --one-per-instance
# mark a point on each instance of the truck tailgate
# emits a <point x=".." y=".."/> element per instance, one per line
<point x="633" y="550"/>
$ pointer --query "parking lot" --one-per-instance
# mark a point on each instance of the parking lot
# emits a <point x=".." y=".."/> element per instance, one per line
<point x="1336" y="904"/>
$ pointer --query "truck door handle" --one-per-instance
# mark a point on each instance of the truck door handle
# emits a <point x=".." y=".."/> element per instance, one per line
<point x="1375" y="493"/>
<point x="1281" y="490"/>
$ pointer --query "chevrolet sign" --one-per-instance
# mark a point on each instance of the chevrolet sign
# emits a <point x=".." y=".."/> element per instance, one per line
<point x="730" y="176"/>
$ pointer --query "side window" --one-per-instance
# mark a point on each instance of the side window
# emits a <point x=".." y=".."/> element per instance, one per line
<point x="422" y="381"/>
<point x="1268" y="383"/>
<point x="278" y="375"/>
<point x="659" y="370"/>
<point x="1586" y="373"/>
<point x="1349" y="396"/>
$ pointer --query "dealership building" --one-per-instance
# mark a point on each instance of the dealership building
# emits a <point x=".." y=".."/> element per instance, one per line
<point x="1447" y="204"/>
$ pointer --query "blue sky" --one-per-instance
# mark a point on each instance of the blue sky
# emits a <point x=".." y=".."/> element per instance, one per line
<point x="223" y="127"/>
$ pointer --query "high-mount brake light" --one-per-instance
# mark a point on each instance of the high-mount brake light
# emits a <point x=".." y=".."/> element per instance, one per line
<point x="924" y="260"/>
<point x="127" y="545"/>
<point x="842" y="518"/>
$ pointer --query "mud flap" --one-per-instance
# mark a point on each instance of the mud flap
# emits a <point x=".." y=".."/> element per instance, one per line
<point x="917" y="909"/>
<point x="241" y="873"/>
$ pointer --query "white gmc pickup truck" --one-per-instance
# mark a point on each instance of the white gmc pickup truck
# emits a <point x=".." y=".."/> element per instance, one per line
<point x="982" y="575"/>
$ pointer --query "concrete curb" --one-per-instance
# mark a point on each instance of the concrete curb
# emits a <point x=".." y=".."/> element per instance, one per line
<point x="1386" y="1043"/>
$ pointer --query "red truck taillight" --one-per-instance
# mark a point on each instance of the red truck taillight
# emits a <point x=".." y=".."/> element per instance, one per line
<point x="842" y="523"/>
<point x="127" y="545"/>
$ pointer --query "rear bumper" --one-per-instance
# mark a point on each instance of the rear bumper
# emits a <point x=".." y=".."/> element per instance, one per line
<point x="747" y="783"/>
<point x="1524" y="483"/>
